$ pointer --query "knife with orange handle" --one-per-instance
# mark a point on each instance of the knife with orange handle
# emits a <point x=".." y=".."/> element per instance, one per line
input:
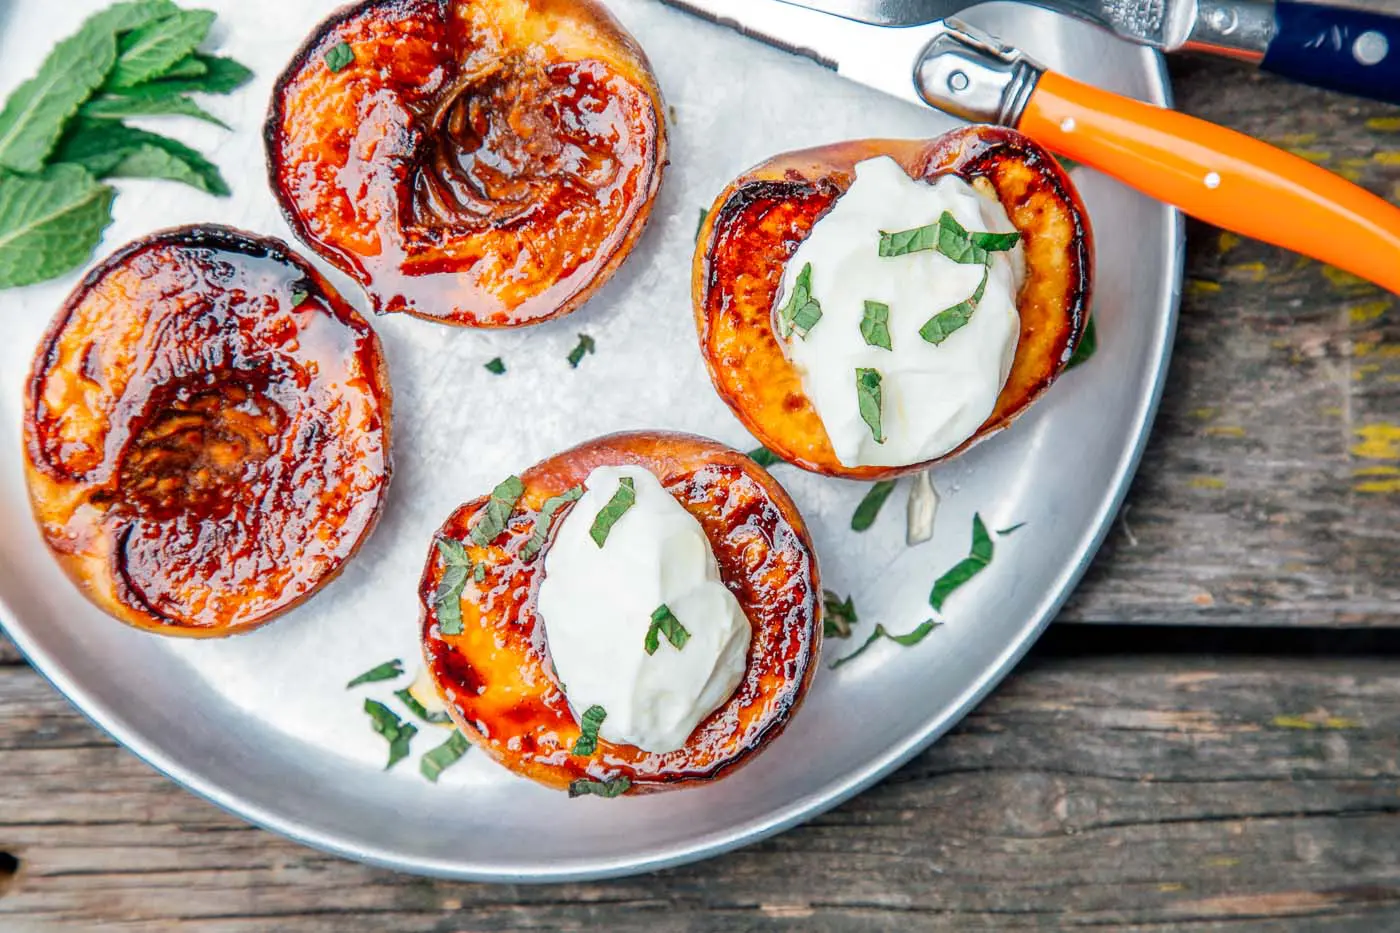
<point x="1212" y="173"/>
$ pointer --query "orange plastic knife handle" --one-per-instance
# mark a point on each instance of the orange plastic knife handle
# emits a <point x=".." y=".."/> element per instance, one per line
<point x="1217" y="175"/>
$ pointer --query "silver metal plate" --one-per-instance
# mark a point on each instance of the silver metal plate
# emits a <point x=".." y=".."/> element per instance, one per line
<point x="262" y="724"/>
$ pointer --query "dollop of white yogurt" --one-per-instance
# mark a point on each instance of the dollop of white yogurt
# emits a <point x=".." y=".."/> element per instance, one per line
<point x="597" y="604"/>
<point x="934" y="397"/>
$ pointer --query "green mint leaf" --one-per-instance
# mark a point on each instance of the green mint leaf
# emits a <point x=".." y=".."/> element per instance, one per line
<point x="219" y="76"/>
<point x="453" y="580"/>
<point x="50" y="223"/>
<point x="407" y="698"/>
<point x="700" y="224"/>
<point x="36" y="111"/>
<point x="386" y="671"/>
<point x="497" y="511"/>
<point x="868" y="396"/>
<point x="496" y="366"/>
<point x="150" y="51"/>
<point x="299" y="298"/>
<point x="946" y="322"/>
<point x="545" y="519"/>
<point x="948" y="237"/>
<point x="188" y="67"/>
<point x="875" y="325"/>
<point x="1003" y="532"/>
<point x="453" y="552"/>
<point x="479" y="573"/>
<point x="433" y="763"/>
<point x="764" y="457"/>
<point x="621" y="501"/>
<point x="585" y="346"/>
<point x="614" y="788"/>
<point x="664" y="622"/>
<point x="124" y="17"/>
<point x="1088" y="344"/>
<point x="340" y="57"/>
<point x="967" y="568"/>
<point x="113" y="107"/>
<point x="906" y="640"/>
<point x="1067" y="163"/>
<point x="802" y="311"/>
<point x="397" y="733"/>
<point x="870" y="506"/>
<point x="110" y="149"/>
<point x="439" y="759"/>
<point x="839" y="616"/>
<point x="589" y="725"/>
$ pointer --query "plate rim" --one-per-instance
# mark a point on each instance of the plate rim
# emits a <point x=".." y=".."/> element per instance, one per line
<point x="796" y="811"/>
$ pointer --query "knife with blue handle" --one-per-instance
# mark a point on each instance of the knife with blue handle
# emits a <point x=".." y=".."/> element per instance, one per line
<point x="1348" y="49"/>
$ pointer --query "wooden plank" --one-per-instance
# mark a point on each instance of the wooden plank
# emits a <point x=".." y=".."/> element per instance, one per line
<point x="1125" y="793"/>
<point x="1270" y="493"/>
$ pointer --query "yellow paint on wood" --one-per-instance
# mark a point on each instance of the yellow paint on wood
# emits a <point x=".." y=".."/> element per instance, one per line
<point x="1378" y="442"/>
<point x="1312" y="155"/>
<point x="1386" y="351"/>
<point x="1343" y="279"/>
<point x="1384" y="124"/>
<point x="1171" y="887"/>
<point x="1256" y="271"/>
<point x="1379" y="486"/>
<point x="1376" y="471"/>
<point x="1294" y="139"/>
<point x="1333" y="411"/>
<point x="1361" y="372"/>
<point x="1387" y="158"/>
<point x="1368" y="310"/>
<point x="1225" y="430"/>
<point x="1222" y="862"/>
<point x="1205" y="414"/>
<point x="1229" y="241"/>
<point x="1207" y="482"/>
<point x="1198" y="287"/>
<point x="1314" y="721"/>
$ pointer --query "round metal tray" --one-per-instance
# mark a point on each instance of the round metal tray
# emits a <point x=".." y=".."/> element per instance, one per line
<point x="263" y="725"/>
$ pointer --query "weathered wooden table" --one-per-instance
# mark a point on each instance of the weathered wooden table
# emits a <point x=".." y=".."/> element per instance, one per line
<point x="1209" y="738"/>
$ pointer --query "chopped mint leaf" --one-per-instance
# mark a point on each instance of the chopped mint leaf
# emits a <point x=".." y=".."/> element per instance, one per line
<point x="1088" y="344"/>
<point x="868" y="396"/>
<point x="908" y="639"/>
<point x="407" y="698"/>
<point x="299" y="298"/>
<point x="870" y="506"/>
<point x="585" y="346"/>
<point x="943" y="324"/>
<point x="397" y="733"/>
<point x="949" y="238"/>
<point x="433" y="763"/>
<point x="764" y="457"/>
<point x="545" y="518"/>
<point x="967" y="568"/>
<point x="801" y="311"/>
<point x="497" y="511"/>
<point x="838" y="616"/>
<point x="386" y="671"/>
<point x="340" y="57"/>
<point x="613" y="788"/>
<point x="496" y="366"/>
<point x="621" y="501"/>
<point x="875" y="325"/>
<point x="664" y="622"/>
<point x="589" y="725"/>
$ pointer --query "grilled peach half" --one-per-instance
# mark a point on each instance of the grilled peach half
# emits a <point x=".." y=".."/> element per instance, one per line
<point x="496" y="678"/>
<point x="761" y="218"/>
<point x="484" y="163"/>
<point x="206" y="432"/>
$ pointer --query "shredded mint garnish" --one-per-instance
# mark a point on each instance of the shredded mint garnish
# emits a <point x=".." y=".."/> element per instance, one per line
<point x="545" y="518"/>
<point x="908" y="639"/>
<point x="967" y="568"/>
<point x="868" y="396"/>
<point x="621" y="501"/>
<point x="664" y="622"/>
<point x="870" y="506"/>
<point x="433" y="763"/>
<point x="613" y="788"/>
<point x="875" y="325"/>
<point x="386" y="671"/>
<point x="339" y="57"/>
<point x="839" y="616"/>
<point x="585" y="346"/>
<point x="943" y="324"/>
<point x="397" y="732"/>
<point x="494" y="516"/>
<point x="801" y="311"/>
<point x="589" y="725"/>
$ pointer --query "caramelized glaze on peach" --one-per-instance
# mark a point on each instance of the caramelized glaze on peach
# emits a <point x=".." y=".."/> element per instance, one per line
<point x="486" y="163"/>
<point x="496" y="677"/>
<point x="760" y="219"/>
<point x="206" y="432"/>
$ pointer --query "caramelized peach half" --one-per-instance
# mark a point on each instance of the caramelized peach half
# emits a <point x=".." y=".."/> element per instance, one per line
<point x="484" y="163"/>
<point x="761" y="218"/>
<point x="206" y="432"/>
<point x="496" y="677"/>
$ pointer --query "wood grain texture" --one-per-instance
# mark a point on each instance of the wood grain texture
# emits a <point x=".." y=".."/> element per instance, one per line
<point x="1115" y="792"/>
<point x="1270" y="492"/>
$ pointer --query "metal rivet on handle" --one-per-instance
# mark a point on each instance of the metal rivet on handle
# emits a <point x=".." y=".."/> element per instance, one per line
<point x="1371" y="48"/>
<point x="1212" y="180"/>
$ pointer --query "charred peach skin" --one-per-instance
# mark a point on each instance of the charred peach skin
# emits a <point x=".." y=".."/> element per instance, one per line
<point x="484" y="163"/>
<point x="496" y="679"/>
<point x="761" y="218"/>
<point x="206" y="432"/>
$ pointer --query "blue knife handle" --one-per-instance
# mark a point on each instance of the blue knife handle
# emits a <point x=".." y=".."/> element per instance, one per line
<point x="1348" y="50"/>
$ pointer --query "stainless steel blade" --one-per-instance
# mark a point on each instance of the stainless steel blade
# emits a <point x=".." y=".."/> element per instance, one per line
<point x="876" y="56"/>
<point x="1162" y="24"/>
